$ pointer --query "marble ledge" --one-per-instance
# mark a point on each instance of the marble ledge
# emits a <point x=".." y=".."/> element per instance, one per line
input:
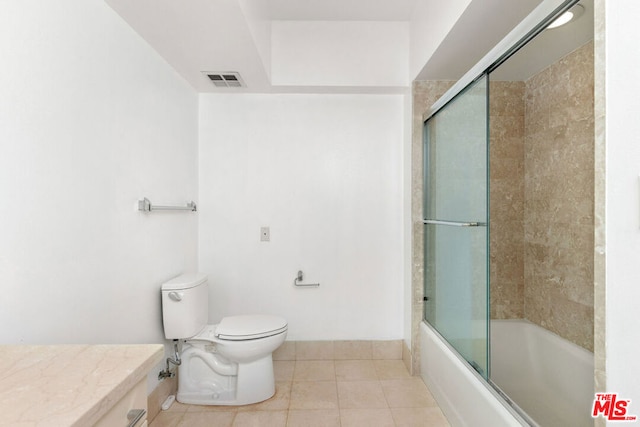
<point x="69" y="385"/>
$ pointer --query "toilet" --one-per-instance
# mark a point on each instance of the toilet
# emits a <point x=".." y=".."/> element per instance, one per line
<point x="224" y="364"/>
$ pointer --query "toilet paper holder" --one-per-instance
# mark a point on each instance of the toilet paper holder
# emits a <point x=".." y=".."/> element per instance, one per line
<point x="297" y="281"/>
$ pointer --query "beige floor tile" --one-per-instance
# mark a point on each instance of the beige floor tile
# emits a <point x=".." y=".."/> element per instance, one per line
<point x="177" y="407"/>
<point x="207" y="419"/>
<point x="391" y="369"/>
<point x="352" y="350"/>
<point x="287" y="351"/>
<point x="354" y="370"/>
<point x="314" y="395"/>
<point x="366" y="418"/>
<point x="283" y="370"/>
<point x="361" y="394"/>
<point x="279" y="401"/>
<point x="387" y="349"/>
<point x="314" y="418"/>
<point x="367" y="393"/>
<point x="419" y="417"/>
<point x="261" y="419"/>
<point x="167" y="419"/>
<point x="314" y="350"/>
<point x="211" y="408"/>
<point x="314" y="370"/>
<point x="409" y="393"/>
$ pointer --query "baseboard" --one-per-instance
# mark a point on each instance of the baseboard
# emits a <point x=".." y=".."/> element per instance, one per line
<point x="167" y="387"/>
<point x="340" y="350"/>
<point x="407" y="358"/>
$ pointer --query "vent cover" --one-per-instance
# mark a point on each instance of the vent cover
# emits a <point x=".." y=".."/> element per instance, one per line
<point x="225" y="79"/>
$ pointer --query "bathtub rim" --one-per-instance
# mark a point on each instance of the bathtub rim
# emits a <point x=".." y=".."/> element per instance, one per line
<point x="474" y="379"/>
<point x="552" y="335"/>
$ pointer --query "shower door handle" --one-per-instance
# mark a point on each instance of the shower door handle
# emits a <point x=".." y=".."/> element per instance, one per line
<point x="453" y="223"/>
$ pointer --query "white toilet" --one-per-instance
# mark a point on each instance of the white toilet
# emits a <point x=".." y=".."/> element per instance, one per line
<point x="225" y="364"/>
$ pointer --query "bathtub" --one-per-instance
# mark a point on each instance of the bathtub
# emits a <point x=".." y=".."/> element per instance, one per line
<point x="550" y="378"/>
<point x="522" y="354"/>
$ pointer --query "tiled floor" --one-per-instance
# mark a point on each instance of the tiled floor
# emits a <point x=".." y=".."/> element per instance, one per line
<point x="325" y="393"/>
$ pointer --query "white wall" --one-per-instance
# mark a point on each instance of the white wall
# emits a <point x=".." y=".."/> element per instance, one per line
<point x="324" y="172"/>
<point x="256" y="14"/>
<point x="623" y="201"/>
<point x="91" y="119"/>
<point x="430" y="23"/>
<point x="339" y="53"/>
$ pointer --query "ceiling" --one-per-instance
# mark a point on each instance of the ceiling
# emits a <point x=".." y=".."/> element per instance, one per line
<point x="341" y="10"/>
<point x="195" y="36"/>
<point x="482" y="25"/>
<point x="250" y="36"/>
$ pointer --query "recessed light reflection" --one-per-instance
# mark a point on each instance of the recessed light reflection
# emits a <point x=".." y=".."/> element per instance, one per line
<point x="570" y="15"/>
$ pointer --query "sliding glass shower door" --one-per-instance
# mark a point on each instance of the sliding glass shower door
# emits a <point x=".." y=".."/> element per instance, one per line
<point x="455" y="217"/>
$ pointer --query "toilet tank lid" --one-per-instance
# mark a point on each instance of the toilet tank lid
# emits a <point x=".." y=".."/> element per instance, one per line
<point x="184" y="281"/>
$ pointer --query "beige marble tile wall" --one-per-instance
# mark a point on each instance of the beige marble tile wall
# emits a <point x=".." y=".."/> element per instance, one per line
<point x="599" y="266"/>
<point x="559" y="197"/>
<point x="506" y="157"/>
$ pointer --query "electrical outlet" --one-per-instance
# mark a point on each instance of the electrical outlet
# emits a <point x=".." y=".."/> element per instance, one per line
<point x="265" y="234"/>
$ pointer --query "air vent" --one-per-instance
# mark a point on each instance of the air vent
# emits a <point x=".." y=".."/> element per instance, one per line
<point x="225" y="79"/>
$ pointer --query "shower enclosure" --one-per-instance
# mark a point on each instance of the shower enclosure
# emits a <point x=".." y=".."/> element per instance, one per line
<point x="541" y="216"/>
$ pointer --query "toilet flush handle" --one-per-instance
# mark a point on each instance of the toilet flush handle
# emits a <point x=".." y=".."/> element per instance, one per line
<point x="176" y="296"/>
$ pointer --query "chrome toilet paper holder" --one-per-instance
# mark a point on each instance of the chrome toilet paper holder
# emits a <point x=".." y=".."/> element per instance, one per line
<point x="297" y="281"/>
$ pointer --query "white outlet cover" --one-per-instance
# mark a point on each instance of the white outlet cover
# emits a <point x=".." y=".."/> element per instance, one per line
<point x="265" y="234"/>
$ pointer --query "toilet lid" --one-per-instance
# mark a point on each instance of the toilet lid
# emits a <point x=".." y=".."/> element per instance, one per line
<point x="238" y="328"/>
<point x="184" y="281"/>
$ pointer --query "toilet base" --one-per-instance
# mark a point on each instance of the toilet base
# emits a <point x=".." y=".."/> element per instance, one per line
<point x="206" y="378"/>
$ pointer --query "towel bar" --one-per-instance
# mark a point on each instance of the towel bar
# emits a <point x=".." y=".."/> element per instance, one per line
<point x="146" y="206"/>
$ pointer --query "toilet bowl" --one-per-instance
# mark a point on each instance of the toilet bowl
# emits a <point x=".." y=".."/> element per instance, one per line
<point x="228" y="363"/>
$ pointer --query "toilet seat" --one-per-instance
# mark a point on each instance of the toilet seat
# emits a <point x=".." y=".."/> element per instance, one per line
<point x="243" y="328"/>
<point x="250" y="327"/>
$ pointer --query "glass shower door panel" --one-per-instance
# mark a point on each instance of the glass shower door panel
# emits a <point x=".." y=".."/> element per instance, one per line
<point x="456" y="264"/>
<point x="455" y="224"/>
<point x="456" y="158"/>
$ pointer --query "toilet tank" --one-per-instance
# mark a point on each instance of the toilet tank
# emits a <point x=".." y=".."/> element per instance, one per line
<point x="185" y="305"/>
